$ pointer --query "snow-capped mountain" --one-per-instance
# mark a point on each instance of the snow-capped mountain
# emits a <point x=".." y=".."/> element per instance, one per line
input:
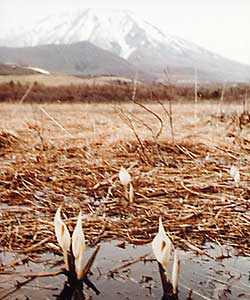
<point x="120" y="32"/>
<point x="125" y="35"/>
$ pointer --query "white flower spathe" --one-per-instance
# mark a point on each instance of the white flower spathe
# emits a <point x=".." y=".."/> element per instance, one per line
<point x="124" y="177"/>
<point x="162" y="247"/>
<point x="78" y="247"/>
<point x="78" y="242"/>
<point x="63" y="236"/>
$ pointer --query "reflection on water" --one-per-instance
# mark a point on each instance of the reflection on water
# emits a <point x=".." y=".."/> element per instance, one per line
<point x="71" y="292"/>
<point x="132" y="273"/>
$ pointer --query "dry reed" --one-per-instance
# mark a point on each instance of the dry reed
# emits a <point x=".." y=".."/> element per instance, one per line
<point x="193" y="193"/>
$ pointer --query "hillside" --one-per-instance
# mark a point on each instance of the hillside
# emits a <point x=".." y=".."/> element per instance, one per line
<point x="78" y="58"/>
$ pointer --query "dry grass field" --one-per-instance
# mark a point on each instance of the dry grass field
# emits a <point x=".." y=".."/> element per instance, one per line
<point x="70" y="155"/>
<point x="57" y="79"/>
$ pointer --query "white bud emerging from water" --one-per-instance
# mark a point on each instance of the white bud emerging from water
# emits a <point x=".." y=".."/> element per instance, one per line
<point x="162" y="247"/>
<point x="78" y="247"/>
<point x="63" y="236"/>
<point x="64" y="240"/>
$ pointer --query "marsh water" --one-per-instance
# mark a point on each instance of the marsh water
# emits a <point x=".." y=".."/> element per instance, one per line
<point x="123" y="271"/>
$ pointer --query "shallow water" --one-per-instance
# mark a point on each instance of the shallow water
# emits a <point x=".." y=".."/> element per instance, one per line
<point x="208" y="277"/>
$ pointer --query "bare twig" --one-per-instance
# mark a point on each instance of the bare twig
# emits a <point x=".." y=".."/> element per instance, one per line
<point x="55" y="121"/>
<point x="26" y="93"/>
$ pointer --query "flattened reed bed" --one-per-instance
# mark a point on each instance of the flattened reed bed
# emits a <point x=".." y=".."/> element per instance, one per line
<point x="188" y="184"/>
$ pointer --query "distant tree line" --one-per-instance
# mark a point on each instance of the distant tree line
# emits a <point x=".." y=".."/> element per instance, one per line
<point x="116" y="91"/>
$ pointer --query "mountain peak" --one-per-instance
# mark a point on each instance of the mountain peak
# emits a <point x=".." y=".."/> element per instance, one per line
<point x="118" y="31"/>
<point x="124" y="34"/>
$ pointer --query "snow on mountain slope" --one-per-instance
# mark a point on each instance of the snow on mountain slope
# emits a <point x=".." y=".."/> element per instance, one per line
<point x="125" y="35"/>
<point x="118" y="31"/>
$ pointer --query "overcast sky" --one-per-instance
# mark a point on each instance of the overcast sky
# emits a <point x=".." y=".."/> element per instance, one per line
<point x="218" y="25"/>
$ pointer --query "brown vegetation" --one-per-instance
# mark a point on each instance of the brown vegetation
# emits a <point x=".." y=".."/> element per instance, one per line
<point x="114" y="91"/>
<point x="72" y="156"/>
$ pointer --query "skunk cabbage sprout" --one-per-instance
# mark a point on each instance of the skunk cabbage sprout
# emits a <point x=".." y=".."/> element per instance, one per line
<point x="124" y="177"/>
<point x="125" y="180"/>
<point x="63" y="236"/>
<point x="162" y="247"/>
<point x="78" y="247"/>
<point x="78" y="242"/>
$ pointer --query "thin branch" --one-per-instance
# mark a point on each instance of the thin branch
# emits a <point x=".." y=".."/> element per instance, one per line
<point x="55" y="121"/>
<point x="26" y="93"/>
<point x="146" y="109"/>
